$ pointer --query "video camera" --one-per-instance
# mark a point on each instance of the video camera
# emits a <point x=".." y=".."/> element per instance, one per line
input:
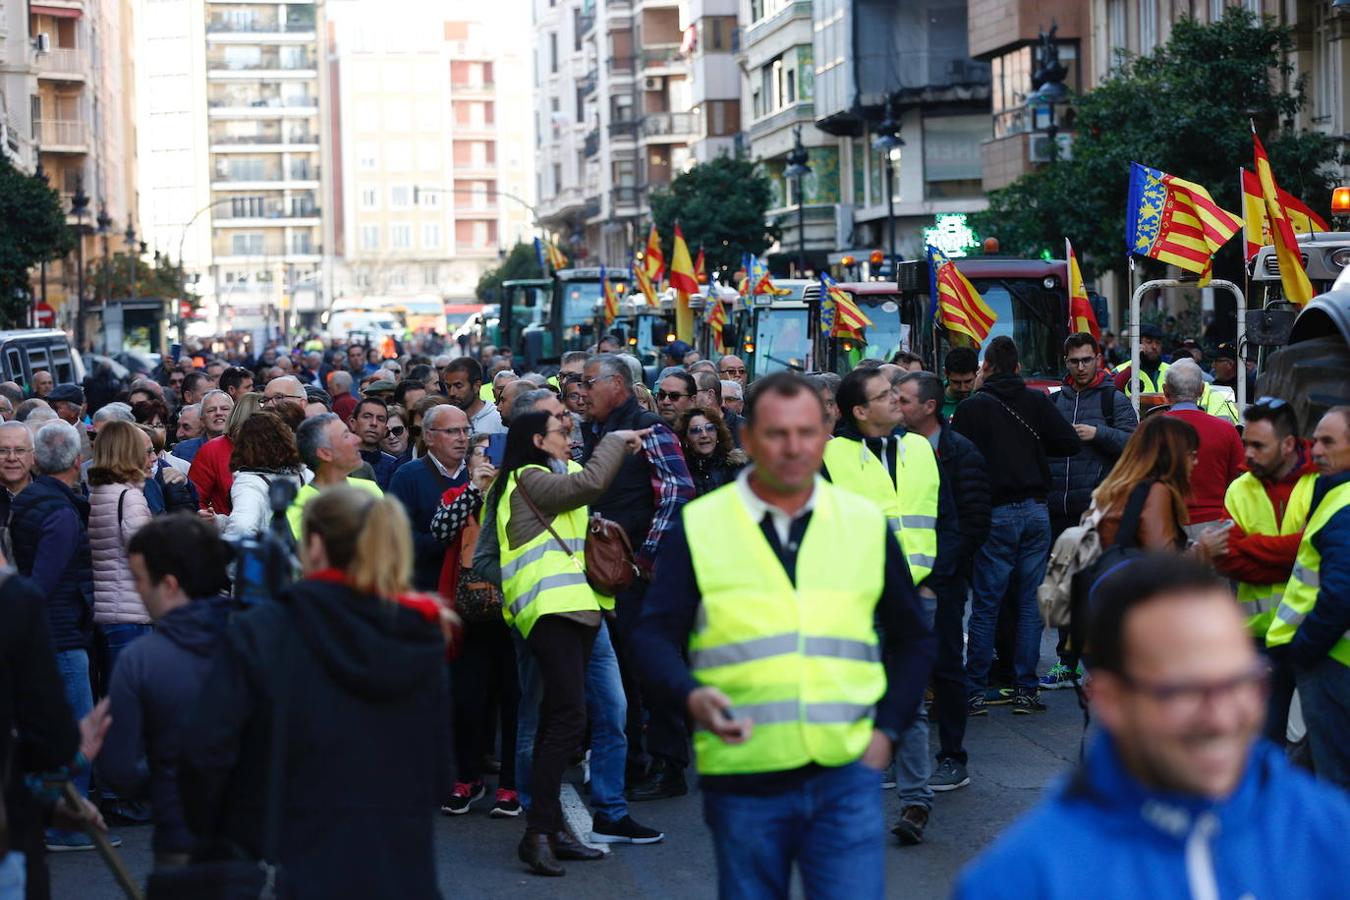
<point x="266" y="562"/>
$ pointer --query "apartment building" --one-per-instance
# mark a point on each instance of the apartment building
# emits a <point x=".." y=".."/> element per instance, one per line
<point x="433" y="163"/>
<point x="83" y="135"/>
<point x="18" y="84"/>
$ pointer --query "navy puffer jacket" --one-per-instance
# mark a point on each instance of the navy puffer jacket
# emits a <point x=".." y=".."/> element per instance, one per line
<point x="1074" y="478"/>
<point x="49" y="525"/>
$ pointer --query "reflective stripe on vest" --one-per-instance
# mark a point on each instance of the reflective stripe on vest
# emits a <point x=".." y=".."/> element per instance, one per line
<point x="909" y="501"/>
<point x="1218" y="405"/>
<point x="1146" y="384"/>
<point x="1250" y="507"/>
<point x="802" y="661"/>
<point x="1300" y="593"/>
<point x="539" y="577"/>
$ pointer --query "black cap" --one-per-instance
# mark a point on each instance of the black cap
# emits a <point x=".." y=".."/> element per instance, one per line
<point x="1150" y="331"/>
<point x="1226" y="350"/>
<point x="70" y="393"/>
<point x="678" y="350"/>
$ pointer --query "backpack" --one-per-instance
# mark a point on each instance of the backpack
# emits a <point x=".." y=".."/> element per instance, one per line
<point x="1078" y="560"/>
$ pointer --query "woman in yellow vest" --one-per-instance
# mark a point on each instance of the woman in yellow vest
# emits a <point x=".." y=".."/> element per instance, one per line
<point x="541" y="508"/>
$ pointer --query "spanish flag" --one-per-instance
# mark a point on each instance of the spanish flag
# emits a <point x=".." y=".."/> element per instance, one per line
<point x="957" y="305"/>
<point x="556" y="259"/>
<point x="1293" y="278"/>
<point x="653" y="260"/>
<point x="717" y="320"/>
<point x="840" y="317"/>
<point x="611" y="299"/>
<point x="683" y="281"/>
<point x="1256" y="224"/>
<point x="1175" y="221"/>
<point x="1081" y="316"/>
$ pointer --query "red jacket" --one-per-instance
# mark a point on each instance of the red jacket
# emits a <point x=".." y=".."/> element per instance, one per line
<point x="1268" y="558"/>
<point x="1220" y="461"/>
<point x="211" y="474"/>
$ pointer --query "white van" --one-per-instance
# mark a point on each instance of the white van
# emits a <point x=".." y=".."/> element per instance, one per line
<point x="26" y="351"/>
<point x="341" y="324"/>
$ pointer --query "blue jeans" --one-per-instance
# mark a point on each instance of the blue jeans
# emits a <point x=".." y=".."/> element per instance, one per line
<point x="74" y="668"/>
<point x="13" y="876"/>
<point x="118" y="637"/>
<point x="607" y="711"/>
<point x="1324" y="692"/>
<point x="1012" y="558"/>
<point x="913" y="764"/>
<point x="830" y="826"/>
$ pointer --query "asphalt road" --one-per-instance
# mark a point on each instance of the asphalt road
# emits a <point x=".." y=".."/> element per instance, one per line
<point x="1012" y="759"/>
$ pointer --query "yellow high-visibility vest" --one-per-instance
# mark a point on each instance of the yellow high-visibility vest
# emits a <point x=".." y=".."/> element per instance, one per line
<point x="1249" y="506"/>
<point x="1146" y="385"/>
<point x="909" y="501"/>
<point x="1300" y="592"/>
<point x="802" y="661"/>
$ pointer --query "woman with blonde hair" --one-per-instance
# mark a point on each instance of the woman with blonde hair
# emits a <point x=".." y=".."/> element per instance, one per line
<point x="356" y="666"/>
<point x="117" y="508"/>
<point x="210" y="470"/>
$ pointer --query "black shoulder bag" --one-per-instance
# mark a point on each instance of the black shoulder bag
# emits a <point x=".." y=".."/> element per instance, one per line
<point x="229" y="873"/>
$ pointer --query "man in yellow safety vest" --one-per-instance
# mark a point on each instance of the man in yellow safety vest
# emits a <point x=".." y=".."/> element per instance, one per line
<point x="807" y="657"/>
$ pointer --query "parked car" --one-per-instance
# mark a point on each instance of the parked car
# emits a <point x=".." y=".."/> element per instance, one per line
<point x="26" y="351"/>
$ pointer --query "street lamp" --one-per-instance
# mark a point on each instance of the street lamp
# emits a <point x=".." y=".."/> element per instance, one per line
<point x="105" y="228"/>
<point x="888" y="142"/>
<point x="79" y="205"/>
<point x="1050" y="91"/>
<point x="132" y="256"/>
<point x="797" y="169"/>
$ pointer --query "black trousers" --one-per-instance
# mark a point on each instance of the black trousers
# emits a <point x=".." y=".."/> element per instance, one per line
<point x="484" y="680"/>
<point x="658" y="729"/>
<point x="562" y="647"/>
<point x="950" y="687"/>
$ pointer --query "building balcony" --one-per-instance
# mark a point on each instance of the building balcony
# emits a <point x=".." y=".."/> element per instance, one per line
<point x="788" y="116"/>
<point x="62" y="136"/>
<point x="591" y="146"/>
<point x="623" y="130"/>
<point x="621" y="66"/>
<point x="283" y="65"/>
<point x="265" y="143"/>
<point x="63" y="64"/>
<point x="592" y="208"/>
<point x="589" y="82"/>
<point x="757" y="31"/>
<point x="262" y="27"/>
<point x="269" y="215"/>
<point x="659" y="58"/>
<point x="664" y="127"/>
<point x="474" y="169"/>
<point x="476" y="211"/>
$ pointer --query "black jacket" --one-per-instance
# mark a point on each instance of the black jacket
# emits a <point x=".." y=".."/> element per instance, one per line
<point x="1074" y="478"/>
<point x="367" y="746"/>
<point x="49" y="527"/>
<point x="36" y="725"/>
<point x="964" y="468"/>
<point x="711" y="472"/>
<point x="154" y="689"/>
<point x="1020" y="440"/>
<point x="628" y="501"/>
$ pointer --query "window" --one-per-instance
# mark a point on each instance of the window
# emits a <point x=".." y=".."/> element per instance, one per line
<point x="302" y="242"/>
<point x="368" y="155"/>
<point x="429" y="199"/>
<point x="431" y="236"/>
<point x="553" y="52"/>
<point x="431" y="276"/>
<point x="1148" y="25"/>
<point x="400" y="236"/>
<point x="246" y="243"/>
<point x="370" y="237"/>
<point x="370" y="198"/>
<point x="790" y="86"/>
<point x="951" y="156"/>
<point x="398" y="278"/>
<point x="400" y="196"/>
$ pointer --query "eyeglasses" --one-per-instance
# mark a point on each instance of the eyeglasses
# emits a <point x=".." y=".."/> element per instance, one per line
<point x="1080" y="361"/>
<point x="703" y="429"/>
<point x="590" y="382"/>
<point x="1187" y="699"/>
<point x="734" y="370"/>
<point x="557" y="431"/>
<point x="464" y="432"/>
<point x="671" y="395"/>
<point x="564" y="418"/>
<point x="886" y="394"/>
<point x="397" y="430"/>
<point x="267" y="401"/>
<point x="7" y="452"/>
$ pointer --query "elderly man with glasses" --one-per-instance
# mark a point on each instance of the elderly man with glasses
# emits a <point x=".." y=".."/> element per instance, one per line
<point x="421" y="483"/>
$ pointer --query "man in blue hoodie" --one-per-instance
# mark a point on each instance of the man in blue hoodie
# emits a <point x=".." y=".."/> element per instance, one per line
<point x="1176" y="796"/>
<point x="178" y="563"/>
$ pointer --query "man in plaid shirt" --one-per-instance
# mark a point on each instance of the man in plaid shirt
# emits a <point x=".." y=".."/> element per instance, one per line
<point x="644" y="500"/>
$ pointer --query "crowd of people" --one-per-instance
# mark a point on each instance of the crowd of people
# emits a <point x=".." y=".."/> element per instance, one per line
<point x="816" y="568"/>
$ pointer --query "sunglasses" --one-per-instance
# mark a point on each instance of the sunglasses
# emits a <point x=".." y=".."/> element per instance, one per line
<point x="1270" y="402"/>
<point x="671" y="395"/>
<point x="703" y="429"/>
<point x="397" y="430"/>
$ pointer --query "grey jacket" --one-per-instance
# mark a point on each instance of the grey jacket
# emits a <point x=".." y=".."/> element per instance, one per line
<point x="1073" y="478"/>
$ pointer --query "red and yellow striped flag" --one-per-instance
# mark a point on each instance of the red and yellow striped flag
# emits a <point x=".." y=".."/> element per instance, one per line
<point x="1293" y="278"/>
<point x="717" y="319"/>
<point x="683" y="281"/>
<point x="957" y="305"/>
<point x="611" y="298"/>
<point x="653" y="260"/>
<point x="1175" y="221"/>
<point x="1256" y="227"/>
<point x="1081" y="316"/>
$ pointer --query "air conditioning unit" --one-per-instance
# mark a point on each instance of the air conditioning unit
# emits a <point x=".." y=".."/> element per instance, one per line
<point x="1039" y="151"/>
<point x="653" y="84"/>
<point x="43" y="42"/>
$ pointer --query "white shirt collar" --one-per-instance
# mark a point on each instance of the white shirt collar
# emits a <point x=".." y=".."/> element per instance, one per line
<point x="443" y="470"/>
<point x="758" y="508"/>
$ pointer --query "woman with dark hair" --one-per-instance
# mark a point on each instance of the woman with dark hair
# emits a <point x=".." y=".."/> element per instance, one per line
<point x="357" y="663"/>
<point x="714" y="460"/>
<point x="264" y="452"/>
<point x="540" y="499"/>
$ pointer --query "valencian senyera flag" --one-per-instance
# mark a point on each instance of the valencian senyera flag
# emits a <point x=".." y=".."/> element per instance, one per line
<point x="653" y="260"/>
<point x="1175" y="221"/>
<point x="1293" y="279"/>
<point x="1256" y="224"/>
<point x="840" y="317"/>
<point x="716" y="317"/>
<point x="957" y="306"/>
<point x="1081" y="317"/>
<point x="611" y="298"/>
<point x="757" y="278"/>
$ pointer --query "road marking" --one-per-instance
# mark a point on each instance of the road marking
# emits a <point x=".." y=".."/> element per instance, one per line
<point x="577" y="818"/>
